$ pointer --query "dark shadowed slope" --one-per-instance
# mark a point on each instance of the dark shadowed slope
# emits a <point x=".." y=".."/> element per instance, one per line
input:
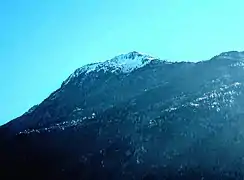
<point x="134" y="117"/>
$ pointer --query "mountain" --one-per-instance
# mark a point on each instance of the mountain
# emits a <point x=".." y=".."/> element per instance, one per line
<point x="134" y="117"/>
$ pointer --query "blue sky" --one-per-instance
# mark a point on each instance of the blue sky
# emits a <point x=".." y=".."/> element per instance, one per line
<point x="43" y="41"/>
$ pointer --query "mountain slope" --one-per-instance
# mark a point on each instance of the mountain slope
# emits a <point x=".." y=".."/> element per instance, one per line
<point x="135" y="117"/>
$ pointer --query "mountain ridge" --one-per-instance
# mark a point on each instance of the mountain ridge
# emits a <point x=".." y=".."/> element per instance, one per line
<point x="122" y="63"/>
<point x="180" y="118"/>
<point x="133" y="55"/>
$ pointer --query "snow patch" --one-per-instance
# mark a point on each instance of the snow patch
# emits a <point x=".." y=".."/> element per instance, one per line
<point x="194" y="104"/>
<point x="237" y="64"/>
<point x="170" y="109"/>
<point x="124" y="63"/>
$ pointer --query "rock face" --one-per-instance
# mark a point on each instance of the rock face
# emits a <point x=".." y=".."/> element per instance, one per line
<point x="134" y="117"/>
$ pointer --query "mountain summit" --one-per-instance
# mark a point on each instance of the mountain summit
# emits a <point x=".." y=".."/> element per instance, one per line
<point x="134" y="117"/>
<point x="124" y="63"/>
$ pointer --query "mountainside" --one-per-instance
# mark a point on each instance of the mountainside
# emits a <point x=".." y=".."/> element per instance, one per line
<point x="134" y="117"/>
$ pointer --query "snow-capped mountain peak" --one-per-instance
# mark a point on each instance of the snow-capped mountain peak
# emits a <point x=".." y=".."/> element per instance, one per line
<point x="134" y="55"/>
<point x="123" y="63"/>
<point x="130" y="61"/>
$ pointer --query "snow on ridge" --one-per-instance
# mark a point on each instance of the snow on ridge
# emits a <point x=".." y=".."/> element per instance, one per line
<point x="124" y="63"/>
<point x="87" y="68"/>
<point x="128" y="62"/>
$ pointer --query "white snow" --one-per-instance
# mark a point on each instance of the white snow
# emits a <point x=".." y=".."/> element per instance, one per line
<point x="236" y="84"/>
<point x="129" y="62"/>
<point x="194" y="104"/>
<point x="170" y="109"/>
<point x="237" y="64"/>
<point x="201" y="98"/>
<point x="124" y="63"/>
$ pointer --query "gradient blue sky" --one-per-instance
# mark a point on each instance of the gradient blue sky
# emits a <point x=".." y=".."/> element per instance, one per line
<point x="43" y="41"/>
